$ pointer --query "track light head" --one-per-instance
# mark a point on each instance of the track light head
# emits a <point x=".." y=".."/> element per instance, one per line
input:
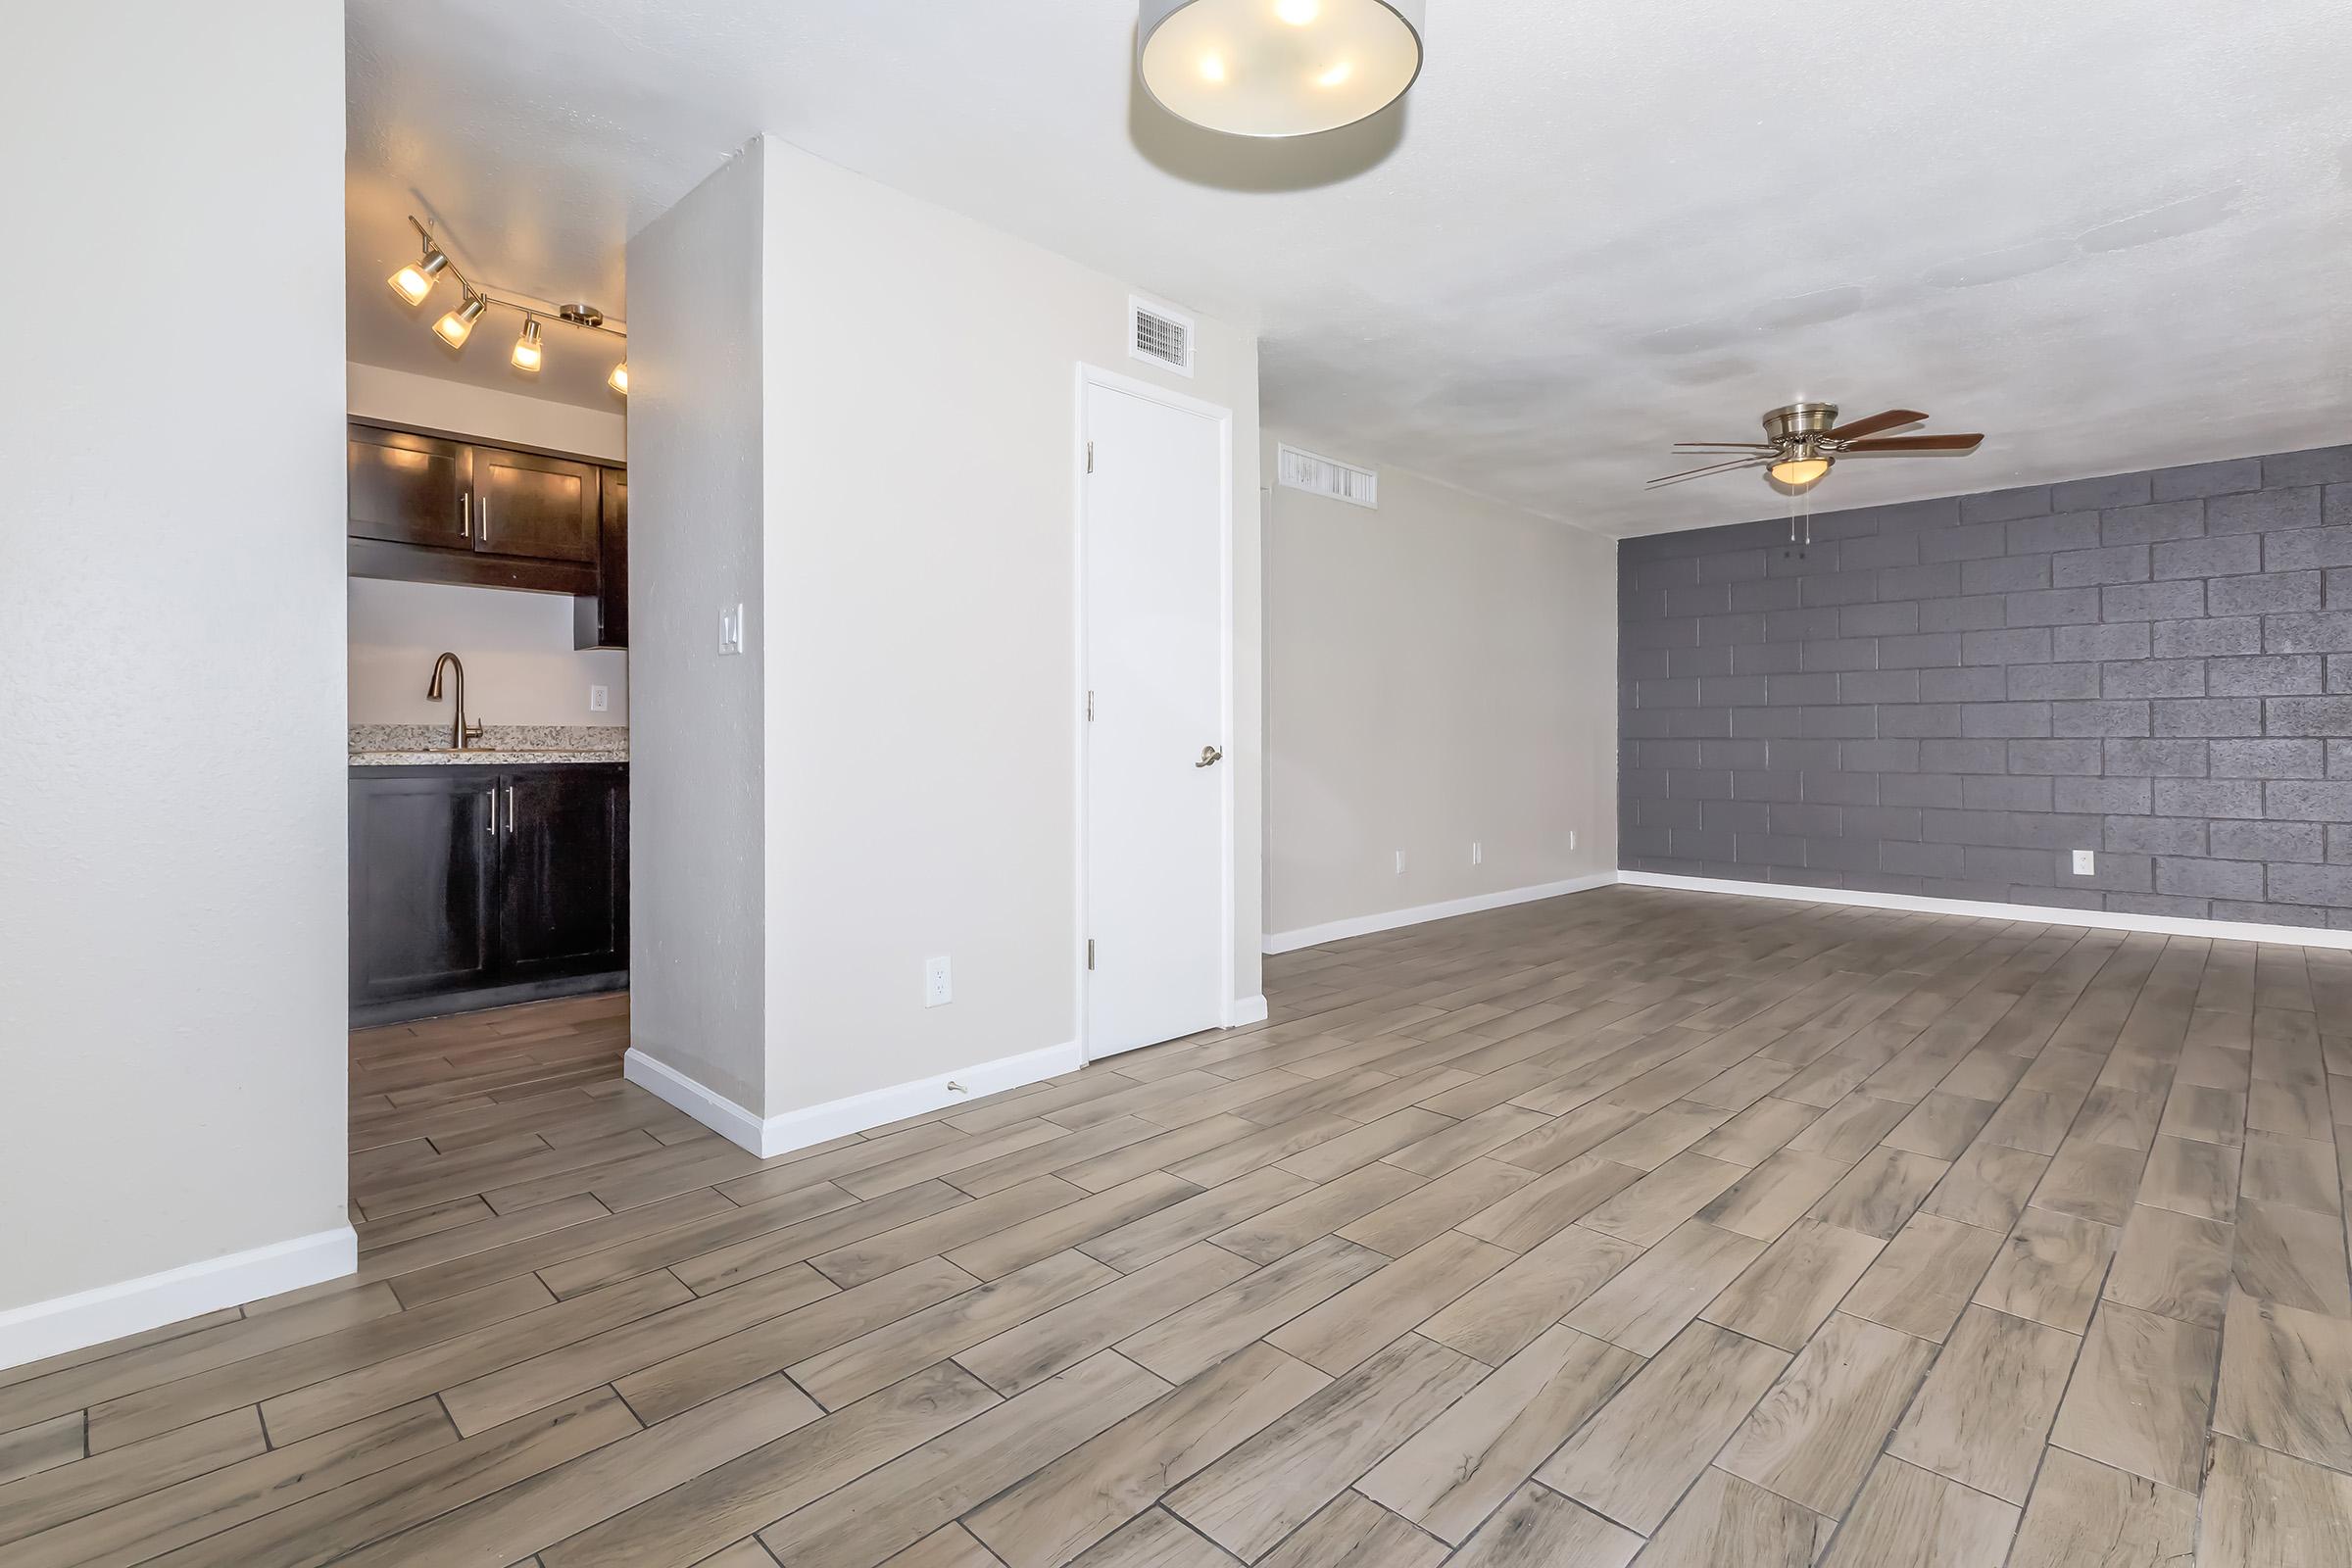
<point x="528" y="353"/>
<point x="416" y="280"/>
<point x="458" y="325"/>
<point x="618" y="381"/>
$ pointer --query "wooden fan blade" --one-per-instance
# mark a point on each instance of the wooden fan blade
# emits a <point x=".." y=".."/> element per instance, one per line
<point x="1919" y="443"/>
<point x="1875" y="423"/>
<point x="1717" y="467"/>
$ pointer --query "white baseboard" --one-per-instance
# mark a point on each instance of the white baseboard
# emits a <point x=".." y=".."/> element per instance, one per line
<point x="1314" y="935"/>
<point x="708" y="1107"/>
<point x="781" y="1133"/>
<point x="1249" y="1009"/>
<point x="43" y="1328"/>
<point x="2171" y="925"/>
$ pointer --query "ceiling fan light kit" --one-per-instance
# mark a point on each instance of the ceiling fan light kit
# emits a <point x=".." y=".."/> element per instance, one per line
<point x="1277" y="68"/>
<point x="414" y="283"/>
<point x="1802" y="441"/>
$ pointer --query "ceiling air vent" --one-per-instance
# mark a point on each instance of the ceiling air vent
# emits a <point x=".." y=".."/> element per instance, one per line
<point x="1303" y="471"/>
<point x="1160" y="336"/>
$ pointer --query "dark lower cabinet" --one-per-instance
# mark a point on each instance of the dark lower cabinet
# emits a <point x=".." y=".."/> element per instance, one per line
<point x="564" y="890"/>
<point x="423" y="882"/>
<point x="475" y="887"/>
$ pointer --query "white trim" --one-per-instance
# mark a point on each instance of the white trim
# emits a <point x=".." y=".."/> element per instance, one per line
<point x="1229" y="1012"/>
<point x="2171" y="925"/>
<point x="704" y="1105"/>
<point x="1315" y="936"/>
<point x="1249" y="1009"/>
<point x="42" y="1329"/>
<point x="815" y="1124"/>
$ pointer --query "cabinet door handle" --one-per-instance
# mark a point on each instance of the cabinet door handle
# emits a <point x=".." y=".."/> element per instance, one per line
<point x="494" y="810"/>
<point x="510" y="810"/>
<point x="465" y="514"/>
<point x="485" y="500"/>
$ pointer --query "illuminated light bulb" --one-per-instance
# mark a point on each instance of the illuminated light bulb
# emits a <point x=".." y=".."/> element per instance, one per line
<point x="527" y="352"/>
<point x="1277" y="68"/>
<point x="415" y="281"/>
<point x="618" y="381"/>
<point x="458" y="325"/>
<point x="1799" y="472"/>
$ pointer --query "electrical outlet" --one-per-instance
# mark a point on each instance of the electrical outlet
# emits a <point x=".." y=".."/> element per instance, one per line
<point x="730" y="629"/>
<point x="1478" y="853"/>
<point x="600" y="699"/>
<point x="2085" y="863"/>
<point x="1400" y="862"/>
<point x="937" y="988"/>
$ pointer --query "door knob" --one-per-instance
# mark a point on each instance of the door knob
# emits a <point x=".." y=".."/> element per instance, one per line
<point x="1210" y="755"/>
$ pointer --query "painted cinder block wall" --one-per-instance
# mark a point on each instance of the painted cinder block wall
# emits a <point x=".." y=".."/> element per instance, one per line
<point x="1945" y="697"/>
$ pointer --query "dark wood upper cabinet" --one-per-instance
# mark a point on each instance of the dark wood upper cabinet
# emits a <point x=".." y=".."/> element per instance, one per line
<point x="601" y="619"/>
<point x="409" y="488"/>
<point x="428" y="505"/>
<point x="526" y="505"/>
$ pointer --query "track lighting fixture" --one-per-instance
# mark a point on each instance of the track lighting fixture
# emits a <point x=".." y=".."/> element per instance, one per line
<point x="458" y="325"/>
<point x="414" y="282"/>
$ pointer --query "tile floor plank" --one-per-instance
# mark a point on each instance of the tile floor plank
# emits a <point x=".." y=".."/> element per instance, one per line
<point x="1371" y="1278"/>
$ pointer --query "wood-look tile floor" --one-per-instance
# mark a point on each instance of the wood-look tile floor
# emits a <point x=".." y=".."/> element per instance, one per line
<point x="1631" y="1227"/>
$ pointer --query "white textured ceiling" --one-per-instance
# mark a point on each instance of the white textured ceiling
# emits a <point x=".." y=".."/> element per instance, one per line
<point x="2109" y="233"/>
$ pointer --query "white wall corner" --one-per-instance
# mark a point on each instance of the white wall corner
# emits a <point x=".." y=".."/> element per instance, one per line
<point x="42" y="1329"/>
<point x="2171" y="925"/>
<point x="783" y="1133"/>
<point x="1315" y="936"/>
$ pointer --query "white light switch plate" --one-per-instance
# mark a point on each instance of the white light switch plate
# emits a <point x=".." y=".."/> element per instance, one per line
<point x="730" y="629"/>
<point x="2085" y="862"/>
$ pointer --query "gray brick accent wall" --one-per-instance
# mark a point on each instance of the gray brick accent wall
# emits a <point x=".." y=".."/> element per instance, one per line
<point x="1949" y="697"/>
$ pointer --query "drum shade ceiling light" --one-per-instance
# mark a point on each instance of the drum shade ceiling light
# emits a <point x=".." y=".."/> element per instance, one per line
<point x="1278" y="68"/>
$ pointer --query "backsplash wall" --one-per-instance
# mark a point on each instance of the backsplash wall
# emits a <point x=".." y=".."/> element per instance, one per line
<point x="520" y="667"/>
<point x="1947" y="698"/>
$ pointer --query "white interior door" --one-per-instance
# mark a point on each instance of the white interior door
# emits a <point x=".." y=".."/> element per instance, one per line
<point x="1155" y="544"/>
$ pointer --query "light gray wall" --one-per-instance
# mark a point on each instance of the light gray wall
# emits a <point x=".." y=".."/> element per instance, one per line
<point x="1949" y="697"/>
<point x="921" y="564"/>
<point x="172" y="958"/>
<point x="1439" y="672"/>
<point x="698" y="894"/>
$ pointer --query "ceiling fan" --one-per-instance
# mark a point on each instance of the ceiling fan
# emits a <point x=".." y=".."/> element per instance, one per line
<point x="1803" y="439"/>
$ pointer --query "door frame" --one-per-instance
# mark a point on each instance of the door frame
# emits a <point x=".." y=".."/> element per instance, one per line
<point x="1090" y="376"/>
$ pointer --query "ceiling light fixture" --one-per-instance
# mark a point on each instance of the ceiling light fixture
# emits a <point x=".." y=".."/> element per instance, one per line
<point x="456" y="326"/>
<point x="1267" y="68"/>
<point x="414" y="282"/>
<point x="1797" y="472"/>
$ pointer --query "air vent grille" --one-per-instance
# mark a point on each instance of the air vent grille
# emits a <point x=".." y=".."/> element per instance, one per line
<point x="1303" y="471"/>
<point x="1159" y="335"/>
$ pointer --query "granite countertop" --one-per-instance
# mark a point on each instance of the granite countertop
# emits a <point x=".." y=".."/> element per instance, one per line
<point x="411" y="745"/>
